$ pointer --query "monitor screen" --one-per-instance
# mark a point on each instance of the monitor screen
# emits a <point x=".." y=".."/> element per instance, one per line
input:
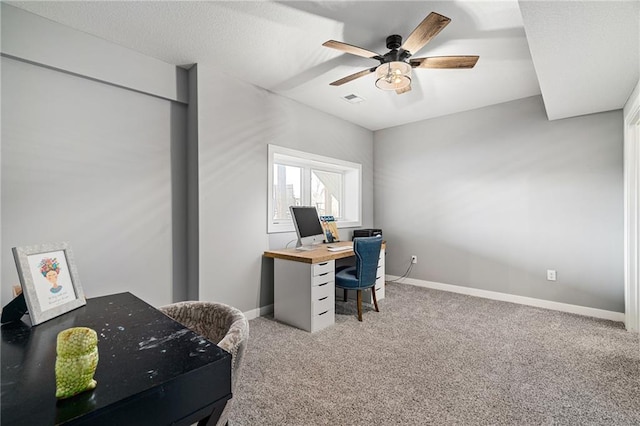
<point x="307" y="224"/>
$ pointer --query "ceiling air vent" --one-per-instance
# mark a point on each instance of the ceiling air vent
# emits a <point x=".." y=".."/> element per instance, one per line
<point x="353" y="99"/>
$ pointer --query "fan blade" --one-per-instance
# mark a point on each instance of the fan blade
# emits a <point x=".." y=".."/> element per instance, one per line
<point x="404" y="90"/>
<point x="428" y="29"/>
<point x="348" y="48"/>
<point x="352" y="77"/>
<point x="444" y="62"/>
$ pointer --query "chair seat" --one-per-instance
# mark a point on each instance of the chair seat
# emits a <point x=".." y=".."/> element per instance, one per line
<point x="346" y="278"/>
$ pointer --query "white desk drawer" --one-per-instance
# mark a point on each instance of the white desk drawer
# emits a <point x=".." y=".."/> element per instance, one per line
<point x="322" y="290"/>
<point x="323" y="304"/>
<point x="322" y="279"/>
<point x="323" y="268"/>
<point x="322" y="320"/>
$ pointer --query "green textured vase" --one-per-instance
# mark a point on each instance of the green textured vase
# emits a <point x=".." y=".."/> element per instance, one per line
<point x="76" y="361"/>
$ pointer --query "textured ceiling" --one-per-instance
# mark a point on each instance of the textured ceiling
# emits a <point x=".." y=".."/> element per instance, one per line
<point x="586" y="54"/>
<point x="278" y="46"/>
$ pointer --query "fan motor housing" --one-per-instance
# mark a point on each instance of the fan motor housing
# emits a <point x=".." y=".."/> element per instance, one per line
<point x="396" y="54"/>
<point x="394" y="41"/>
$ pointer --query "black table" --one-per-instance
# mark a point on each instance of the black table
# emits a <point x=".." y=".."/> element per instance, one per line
<point x="152" y="370"/>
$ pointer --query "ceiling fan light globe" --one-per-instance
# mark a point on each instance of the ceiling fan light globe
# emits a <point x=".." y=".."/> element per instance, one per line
<point x="396" y="84"/>
<point x="393" y="76"/>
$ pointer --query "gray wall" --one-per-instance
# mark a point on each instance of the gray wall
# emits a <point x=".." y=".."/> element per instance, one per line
<point x="39" y="40"/>
<point x="494" y="197"/>
<point x="90" y="164"/>
<point x="236" y="122"/>
<point x="97" y="163"/>
<point x="163" y="200"/>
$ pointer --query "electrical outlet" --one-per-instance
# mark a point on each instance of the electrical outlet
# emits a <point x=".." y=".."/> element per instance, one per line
<point x="414" y="259"/>
<point x="551" y="274"/>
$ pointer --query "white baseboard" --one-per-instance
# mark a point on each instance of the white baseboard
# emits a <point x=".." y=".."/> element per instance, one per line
<point x="258" y="312"/>
<point x="522" y="300"/>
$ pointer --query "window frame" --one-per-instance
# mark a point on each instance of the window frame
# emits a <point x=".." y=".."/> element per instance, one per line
<point x="351" y="185"/>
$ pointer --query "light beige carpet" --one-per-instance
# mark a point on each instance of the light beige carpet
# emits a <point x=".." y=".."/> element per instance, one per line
<point x="432" y="357"/>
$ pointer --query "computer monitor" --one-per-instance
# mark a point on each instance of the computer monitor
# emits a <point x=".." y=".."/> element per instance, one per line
<point x="308" y="227"/>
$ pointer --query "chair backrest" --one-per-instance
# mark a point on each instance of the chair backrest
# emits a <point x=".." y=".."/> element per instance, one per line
<point x="367" y="250"/>
<point x="222" y="324"/>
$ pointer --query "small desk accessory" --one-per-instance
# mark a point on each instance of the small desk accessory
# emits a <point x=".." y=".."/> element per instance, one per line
<point x="330" y="227"/>
<point x="76" y="361"/>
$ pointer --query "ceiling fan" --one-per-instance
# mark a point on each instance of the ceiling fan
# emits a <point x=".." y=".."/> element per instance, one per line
<point x="394" y="71"/>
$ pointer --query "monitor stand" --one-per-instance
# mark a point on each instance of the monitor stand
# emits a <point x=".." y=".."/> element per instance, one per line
<point x="306" y="248"/>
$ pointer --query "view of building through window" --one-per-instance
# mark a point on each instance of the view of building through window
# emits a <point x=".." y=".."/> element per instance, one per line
<point x="287" y="182"/>
<point x="297" y="178"/>
<point x="326" y="192"/>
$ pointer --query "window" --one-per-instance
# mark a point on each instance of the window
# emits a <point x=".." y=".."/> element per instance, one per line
<point x="302" y="179"/>
<point x="326" y="192"/>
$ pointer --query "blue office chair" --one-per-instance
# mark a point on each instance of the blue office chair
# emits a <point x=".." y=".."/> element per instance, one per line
<point x="363" y="275"/>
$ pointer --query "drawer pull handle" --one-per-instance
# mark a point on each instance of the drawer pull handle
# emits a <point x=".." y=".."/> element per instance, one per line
<point x="322" y="264"/>
<point x="323" y="298"/>
<point x="322" y="275"/>
<point x="323" y="313"/>
<point x="320" y="285"/>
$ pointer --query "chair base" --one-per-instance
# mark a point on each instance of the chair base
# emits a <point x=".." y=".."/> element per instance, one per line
<point x="359" y="301"/>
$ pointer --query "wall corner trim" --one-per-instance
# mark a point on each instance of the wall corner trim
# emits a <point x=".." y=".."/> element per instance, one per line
<point x="259" y="312"/>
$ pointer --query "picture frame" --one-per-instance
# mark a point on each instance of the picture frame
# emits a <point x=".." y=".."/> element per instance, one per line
<point x="49" y="280"/>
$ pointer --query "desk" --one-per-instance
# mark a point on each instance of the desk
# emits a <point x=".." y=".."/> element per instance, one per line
<point x="152" y="370"/>
<point x="304" y="285"/>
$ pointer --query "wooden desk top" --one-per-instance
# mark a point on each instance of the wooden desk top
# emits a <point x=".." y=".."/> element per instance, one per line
<point x="318" y="255"/>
